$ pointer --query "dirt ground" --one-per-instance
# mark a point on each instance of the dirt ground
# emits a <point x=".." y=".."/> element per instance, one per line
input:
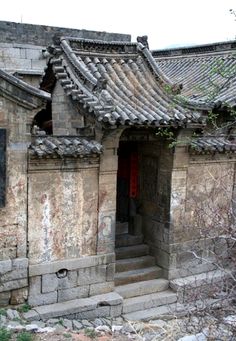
<point x="81" y="337"/>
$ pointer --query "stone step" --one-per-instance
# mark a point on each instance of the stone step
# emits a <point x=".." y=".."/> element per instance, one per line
<point x="132" y="251"/>
<point x="121" y="228"/>
<point x="105" y="305"/>
<point x="134" y="263"/>
<point x="142" y="288"/>
<point x="137" y="275"/>
<point x="151" y="314"/>
<point x="173" y="310"/>
<point x="149" y="301"/>
<point x="127" y="239"/>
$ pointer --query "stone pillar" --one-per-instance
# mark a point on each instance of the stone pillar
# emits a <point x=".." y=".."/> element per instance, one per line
<point x="107" y="194"/>
<point x="178" y="200"/>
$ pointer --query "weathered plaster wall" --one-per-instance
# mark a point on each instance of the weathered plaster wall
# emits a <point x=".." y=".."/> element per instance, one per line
<point x="13" y="217"/>
<point x="201" y="200"/>
<point x="62" y="232"/>
<point x="62" y="213"/>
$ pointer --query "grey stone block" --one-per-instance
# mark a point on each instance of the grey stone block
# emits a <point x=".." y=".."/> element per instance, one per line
<point x="16" y="284"/>
<point x="14" y="275"/>
<point x="31" y="315"/>
<point x="77" y="306"/>
<point x="23" y="53"/>
<point x="38" y="64"/>
<point x="194" y="281"/>
<point x="49" y="283"/>
<point x="19" y="296"/>
<point x="101" y="288"/>
<point x="179" y="273"/>
<point x="142" y="288"/>
<point x="12" y="314"/>
<point x="42" y="299"/>
<point x="111" y="298"/>
<point x="22" y="63"/>
<point x="20" y="263"/>
<point x="70" y="281"/>
<point x="116" y="310"/>
<point x="110" y="272"/>
<point x="4" y="298"/>
<point x="73" y="293"/>
<point x="71" y="264"/>
<point x="149" y="301"/>
<point x="35" y="285"/>
<point x="67" y="324"/>
<point x="33" y="53"/>
<point x="12" y="53"/>
<point x="92" y="275"/>
<point x="65" y="308"/>
<point x="92" y="314"/>
<point x="5" y="266"/>
<point x="77" y="325"/>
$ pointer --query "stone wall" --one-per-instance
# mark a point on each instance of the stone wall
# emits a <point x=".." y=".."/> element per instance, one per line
<point x="11" y="32"/>
<point x="107" y="193"/>
<point x="201" y="203"/>
<point x="70" y="279"/>
<point x="13" y="281"/>
<point x="22" y="58"/>
<point x="13" y="220"/>
<point x="66" y="116"/>
<point x="13" y="216"/>
<point x="23" y="46"/>
<point x="155" y="183"/>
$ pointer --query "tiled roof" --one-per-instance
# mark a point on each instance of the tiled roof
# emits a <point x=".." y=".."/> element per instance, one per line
<point x="22" y="93"/>
<point x="63" y="146"/>
<point x="120" y="84"/>
<point x="213" y="144"/>
<point x="206" y="72"/>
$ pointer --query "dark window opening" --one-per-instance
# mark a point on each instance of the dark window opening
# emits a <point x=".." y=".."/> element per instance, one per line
<point x="2" y="167"/>
<point x="43" y="119"/>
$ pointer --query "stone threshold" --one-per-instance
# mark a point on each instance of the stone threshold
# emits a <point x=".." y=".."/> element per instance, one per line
<point x="106" y="305"/>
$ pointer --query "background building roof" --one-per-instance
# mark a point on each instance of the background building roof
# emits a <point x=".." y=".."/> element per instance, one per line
<point x="207" y="72"/>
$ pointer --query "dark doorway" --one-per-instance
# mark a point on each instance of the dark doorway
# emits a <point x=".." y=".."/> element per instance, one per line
<point x="127" y="182"/>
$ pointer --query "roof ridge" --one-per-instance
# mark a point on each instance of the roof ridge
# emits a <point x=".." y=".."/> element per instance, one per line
<point x="196" y="49"/>
<point x="98" y="41"/>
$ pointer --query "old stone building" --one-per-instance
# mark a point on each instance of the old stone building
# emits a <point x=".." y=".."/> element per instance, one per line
<point x="117" y="170"/>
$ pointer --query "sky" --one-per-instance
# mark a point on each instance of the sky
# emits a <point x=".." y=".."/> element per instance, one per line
<point x="167" y="23"/>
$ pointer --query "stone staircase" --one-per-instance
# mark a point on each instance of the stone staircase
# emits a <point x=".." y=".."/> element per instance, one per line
<point x="137" y="279"/>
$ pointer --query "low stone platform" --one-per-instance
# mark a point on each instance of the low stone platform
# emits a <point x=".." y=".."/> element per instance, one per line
<point x="174" y="310"/>
<point x="87" y="308"/>
<point x="208" y="284"/>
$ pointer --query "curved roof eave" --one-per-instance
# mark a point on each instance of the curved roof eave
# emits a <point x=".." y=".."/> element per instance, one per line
<point x="120" y="83"/>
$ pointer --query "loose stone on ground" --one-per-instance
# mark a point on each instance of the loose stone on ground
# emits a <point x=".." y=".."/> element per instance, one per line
<point x="193" y="328"/>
